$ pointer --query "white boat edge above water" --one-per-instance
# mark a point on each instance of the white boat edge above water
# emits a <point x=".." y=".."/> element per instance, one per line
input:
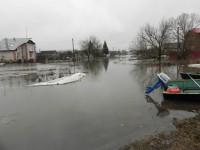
<point x="62" y="80"/>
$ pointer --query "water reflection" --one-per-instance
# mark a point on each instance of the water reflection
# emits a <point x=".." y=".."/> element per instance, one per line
<point x="95" y="67"/>
<point x="146" y="73"/>
<point x="22" y="75"/>
<point x="167" y="105"/>
<point x="105" y="113"/>
<point x="105" y="63"/>
<point x="162" y="111"/>
<point x="5" y="120"/>
<point x="181" y="105"/>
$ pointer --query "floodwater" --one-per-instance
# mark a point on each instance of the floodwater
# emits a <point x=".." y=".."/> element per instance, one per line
<point x="104" y="110"/>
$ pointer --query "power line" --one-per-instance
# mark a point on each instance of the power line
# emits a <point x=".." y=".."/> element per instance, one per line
<point x="69" y="40"/>
<point x="119" y="42"/>
<point x="53" y="41"/>
<point x="117" y="45"/>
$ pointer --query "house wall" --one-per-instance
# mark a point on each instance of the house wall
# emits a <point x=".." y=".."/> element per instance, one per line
<point x="19" y="53"/>
<point x="7" y="56"/>
<point x="172" y="55"/>
<point x="192" y="42"/>
<point x="26" y="52"/>
<point x="194" y="54"/>
<point x="31" y="51"/>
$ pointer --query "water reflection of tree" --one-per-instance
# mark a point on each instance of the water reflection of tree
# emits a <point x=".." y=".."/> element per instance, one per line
<point x="105" y="63"/>
<point x="166" y="106"/>
<point x="93" y="67"/>
<point x="26" y="76"/>
<point x="145" y="73"/>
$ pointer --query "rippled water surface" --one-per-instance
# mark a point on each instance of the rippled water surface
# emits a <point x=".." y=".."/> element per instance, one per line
<point x="104" y="110"/>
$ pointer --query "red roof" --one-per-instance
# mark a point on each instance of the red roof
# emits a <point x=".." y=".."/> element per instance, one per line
<point x="196" y="30"/>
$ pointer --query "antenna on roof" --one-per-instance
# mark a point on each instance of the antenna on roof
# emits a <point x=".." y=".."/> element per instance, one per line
<point x="26" y="32"/>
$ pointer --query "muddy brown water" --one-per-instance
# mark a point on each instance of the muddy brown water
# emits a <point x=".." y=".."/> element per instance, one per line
<point x="104" y="110"/>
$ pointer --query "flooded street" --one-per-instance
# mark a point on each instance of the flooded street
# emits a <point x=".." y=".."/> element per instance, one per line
<point x="104" y="110"/>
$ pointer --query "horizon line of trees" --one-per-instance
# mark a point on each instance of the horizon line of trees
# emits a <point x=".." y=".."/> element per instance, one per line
<point x="89" y="47"/>
<point x="150" y="38"/>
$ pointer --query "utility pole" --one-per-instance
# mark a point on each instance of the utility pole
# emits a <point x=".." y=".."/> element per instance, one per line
<point x="73" y="49"/>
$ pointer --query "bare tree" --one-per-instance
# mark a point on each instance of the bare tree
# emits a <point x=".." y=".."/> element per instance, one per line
<point x="138" y="44"/>
<point x="91" y="46"/>
<point x="181" y="25"/>
<point x="155" y="37"/>
<point x="171" y="30"/>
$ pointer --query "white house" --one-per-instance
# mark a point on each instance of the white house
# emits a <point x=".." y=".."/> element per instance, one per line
<point x="17" y="50"/>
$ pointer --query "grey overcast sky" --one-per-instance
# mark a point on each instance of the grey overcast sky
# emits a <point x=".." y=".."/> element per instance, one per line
<point x="53" y="23"/>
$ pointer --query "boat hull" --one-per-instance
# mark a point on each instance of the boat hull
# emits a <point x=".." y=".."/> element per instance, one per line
<point x="189" y="90"/>
<point x="182" y="96"/>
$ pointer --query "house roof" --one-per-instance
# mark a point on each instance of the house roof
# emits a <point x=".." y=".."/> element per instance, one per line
<point x="48" y="52"/>
<point x="196" y="30"/>
<point x="13" y="44"/>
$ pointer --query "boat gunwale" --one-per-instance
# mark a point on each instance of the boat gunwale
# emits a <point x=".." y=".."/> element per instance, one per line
<point x="182" y="88"/>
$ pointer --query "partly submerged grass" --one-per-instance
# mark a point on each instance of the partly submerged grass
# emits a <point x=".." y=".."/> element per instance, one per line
<point x="186" y="137"/>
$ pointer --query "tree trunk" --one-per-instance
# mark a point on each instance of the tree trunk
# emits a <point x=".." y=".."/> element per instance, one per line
<point x="88" y="58"/>
<point x="159" y="54"/>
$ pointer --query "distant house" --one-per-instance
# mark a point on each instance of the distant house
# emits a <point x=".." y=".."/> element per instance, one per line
<point x="171" y="46"/>
<point x="17" y="50"/>
<point x="192" y="43"/>
<point x="171" y="49"/>
<point x="45" y="56"/>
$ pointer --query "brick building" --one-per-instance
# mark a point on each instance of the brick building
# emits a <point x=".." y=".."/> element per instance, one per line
<point x="192" y="43"/>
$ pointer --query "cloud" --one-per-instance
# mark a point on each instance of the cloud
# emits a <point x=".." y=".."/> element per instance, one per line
<point x="53" y="23"/>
